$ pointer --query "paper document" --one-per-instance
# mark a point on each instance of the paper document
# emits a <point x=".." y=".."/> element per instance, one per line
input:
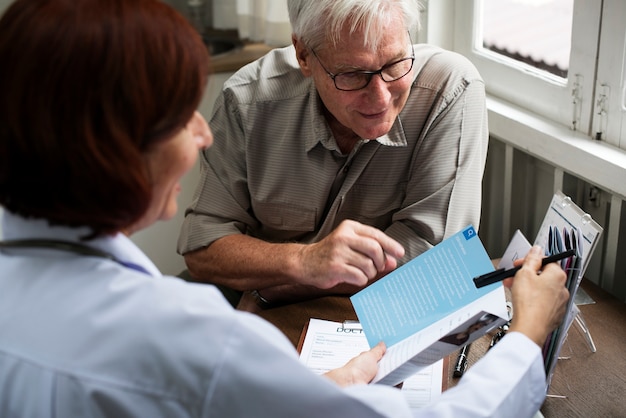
<point x="329" y="345"/>
<point x="430" y="306"/>
<point x="517" y="249"/>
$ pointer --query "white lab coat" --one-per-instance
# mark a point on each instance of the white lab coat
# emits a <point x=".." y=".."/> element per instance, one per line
<point x="86" y="336"/>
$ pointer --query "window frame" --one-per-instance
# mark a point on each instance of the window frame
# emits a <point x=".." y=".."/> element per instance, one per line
<point x="532" y="89"/>
<point x="611" y="82"/>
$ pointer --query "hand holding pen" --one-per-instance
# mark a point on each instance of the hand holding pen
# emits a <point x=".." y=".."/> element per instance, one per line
<point x="539" y="298"/>
<point x="501" y="274"/>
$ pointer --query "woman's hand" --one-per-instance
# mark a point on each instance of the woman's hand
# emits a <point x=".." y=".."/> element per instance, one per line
<point x="539" y="297"/>
<point x="361" y="369"/>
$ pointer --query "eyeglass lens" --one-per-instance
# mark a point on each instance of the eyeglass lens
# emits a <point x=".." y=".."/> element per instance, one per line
<point x="356" y="80"/>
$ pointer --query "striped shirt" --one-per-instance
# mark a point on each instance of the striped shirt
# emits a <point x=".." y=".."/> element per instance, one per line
<point x="276" y="173"/>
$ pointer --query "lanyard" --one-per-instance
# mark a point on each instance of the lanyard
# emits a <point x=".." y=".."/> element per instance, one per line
<point x="68" y="246"/>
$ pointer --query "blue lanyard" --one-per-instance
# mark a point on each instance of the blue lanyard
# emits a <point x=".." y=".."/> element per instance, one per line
<point x="69" y="246"/>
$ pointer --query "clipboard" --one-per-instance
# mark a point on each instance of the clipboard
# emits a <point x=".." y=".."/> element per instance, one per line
<point x="567" y="226"/>
<point x="564" y="213"/>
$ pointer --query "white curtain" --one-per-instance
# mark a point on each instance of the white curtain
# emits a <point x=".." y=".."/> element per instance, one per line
<point x="264" y="21"/>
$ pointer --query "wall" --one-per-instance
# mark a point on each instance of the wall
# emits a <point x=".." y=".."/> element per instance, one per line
<point x="3" y="5"/>
<point x="223" y="12"/>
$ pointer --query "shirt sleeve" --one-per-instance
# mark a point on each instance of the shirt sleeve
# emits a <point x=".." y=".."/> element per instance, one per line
<point x="444" y="192"/>
<point x="510" y="378"/>
<point x="509" y="381"/>
<point x="222" y="188"/>
<point x="260" y="375"/>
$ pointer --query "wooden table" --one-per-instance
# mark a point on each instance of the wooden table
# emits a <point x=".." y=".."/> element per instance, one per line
<point x="293" y="318"/>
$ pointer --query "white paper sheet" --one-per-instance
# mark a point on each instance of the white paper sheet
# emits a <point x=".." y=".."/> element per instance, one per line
<point x="329" y="345"/>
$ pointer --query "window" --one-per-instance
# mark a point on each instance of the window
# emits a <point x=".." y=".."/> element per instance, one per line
<point x="574" y="77"/>
<point x="531" y="32"/>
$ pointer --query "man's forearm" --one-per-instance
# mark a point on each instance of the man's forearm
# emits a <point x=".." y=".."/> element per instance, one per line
<point x="244" y="263"/>
<point x="349" y="258"/>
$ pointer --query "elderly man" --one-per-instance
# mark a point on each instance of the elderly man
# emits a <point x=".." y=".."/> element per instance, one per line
<point x="337" y="158"/>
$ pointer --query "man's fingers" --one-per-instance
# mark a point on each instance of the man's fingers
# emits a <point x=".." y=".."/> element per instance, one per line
<point x="377" y="245"/>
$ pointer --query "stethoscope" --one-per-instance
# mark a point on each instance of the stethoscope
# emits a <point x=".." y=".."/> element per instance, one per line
<point x="68" y="246"/>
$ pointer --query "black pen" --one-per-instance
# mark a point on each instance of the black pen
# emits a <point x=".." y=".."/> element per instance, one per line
<point x="501" y="274"/>
<point x="461" y="362"/>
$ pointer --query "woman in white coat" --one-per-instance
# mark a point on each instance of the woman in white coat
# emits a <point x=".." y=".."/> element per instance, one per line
<point x="97" y="127"/>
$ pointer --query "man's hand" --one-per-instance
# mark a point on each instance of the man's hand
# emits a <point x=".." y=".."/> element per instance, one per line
<point x="539" y="297"/>
<point x="345" y="261"/>
<point x="359" y="370"/>
<point x="353" y="254"/>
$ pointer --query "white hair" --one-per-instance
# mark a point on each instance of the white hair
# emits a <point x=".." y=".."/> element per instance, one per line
<point x="316" y="22"/>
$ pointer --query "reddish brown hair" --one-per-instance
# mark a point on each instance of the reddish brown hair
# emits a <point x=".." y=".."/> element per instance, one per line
<point x="85" y="88"/>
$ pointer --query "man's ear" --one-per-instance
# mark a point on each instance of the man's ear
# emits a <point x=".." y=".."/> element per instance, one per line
<point x="303" y="55"/>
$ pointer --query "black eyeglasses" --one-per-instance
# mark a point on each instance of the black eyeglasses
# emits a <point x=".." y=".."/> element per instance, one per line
<point x="357" y="80"/>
